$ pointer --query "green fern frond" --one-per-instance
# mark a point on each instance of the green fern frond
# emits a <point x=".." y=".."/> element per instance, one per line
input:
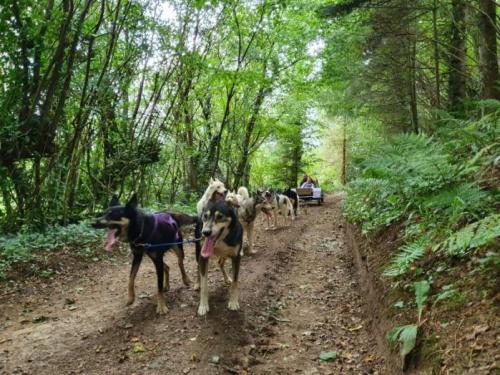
<point x="465" y="195"/>
<point x="472" y="236"/>
<point x="407" y="255"/>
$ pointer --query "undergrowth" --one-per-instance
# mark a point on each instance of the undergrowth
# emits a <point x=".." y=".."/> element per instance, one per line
<point x="21" y="247"/>
<point x="443" y="190"/>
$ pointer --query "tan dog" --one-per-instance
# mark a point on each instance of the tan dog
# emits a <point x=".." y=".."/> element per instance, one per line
<point x="248" y="209"/>
<point x="215" y="186"/>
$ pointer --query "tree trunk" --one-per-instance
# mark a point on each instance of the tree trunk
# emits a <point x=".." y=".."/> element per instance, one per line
<point x="413" y="84"/>
<point x="488" y="58"/>
<point x="242" y="168"/>
<point x="457" y="64"/>
<point x="344" y="159"/>
<point x="437" y="76"/>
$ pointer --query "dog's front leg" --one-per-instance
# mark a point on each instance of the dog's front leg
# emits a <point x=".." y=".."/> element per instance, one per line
<point x="161" y="307"/>
<point x="221" y="262"/>
<point x="203" y="272"/>
<point x="136" y="262"/>
<point x="250" y="238"/>
<point x="179" y="251"/>
<point x="197" y="245"/>
<point x="166" y="272"/>
<point x="234" y="293"/>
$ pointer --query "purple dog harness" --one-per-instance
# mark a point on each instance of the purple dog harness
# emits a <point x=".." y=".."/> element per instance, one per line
<point x="166" y="219"/>
<point x="163" y="218"/>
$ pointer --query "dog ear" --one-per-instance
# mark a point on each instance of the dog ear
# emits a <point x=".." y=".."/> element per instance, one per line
<point x="210" y="181"/>
<point x="132" y="203"/>
<point x="114" y="201"/>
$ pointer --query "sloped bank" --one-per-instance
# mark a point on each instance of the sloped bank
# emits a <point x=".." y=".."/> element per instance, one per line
<point x="373" y="293"/>
<point x="459" y="333"/>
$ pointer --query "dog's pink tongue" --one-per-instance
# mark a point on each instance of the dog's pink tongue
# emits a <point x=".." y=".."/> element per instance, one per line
<point x="208" y="248"/>
<point x="110" y="239"/>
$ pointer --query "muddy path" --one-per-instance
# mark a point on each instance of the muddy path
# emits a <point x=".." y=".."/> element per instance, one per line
<point x="299" y="297"/>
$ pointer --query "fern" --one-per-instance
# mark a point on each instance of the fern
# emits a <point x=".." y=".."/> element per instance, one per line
<point x="406" y="256"/>
<point x="456" y="202"/>
<point x="471" y="236"/>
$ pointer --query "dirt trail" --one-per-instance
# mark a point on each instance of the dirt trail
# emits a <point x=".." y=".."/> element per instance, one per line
<point x="299" y="297"/>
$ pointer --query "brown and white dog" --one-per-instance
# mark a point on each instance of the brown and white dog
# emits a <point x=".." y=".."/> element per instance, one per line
<point x="223" y="237"/>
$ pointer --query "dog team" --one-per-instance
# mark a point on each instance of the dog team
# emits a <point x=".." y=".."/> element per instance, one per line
<point x="223" y="217"/>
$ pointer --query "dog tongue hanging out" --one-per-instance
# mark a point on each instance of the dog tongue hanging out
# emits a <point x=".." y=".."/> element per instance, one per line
<point x="208" y="248"/>
<point x="115" y="221"/>
<point x="111" y="239"/>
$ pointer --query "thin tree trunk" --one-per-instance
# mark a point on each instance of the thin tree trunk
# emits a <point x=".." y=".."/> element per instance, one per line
<point x="413" y="84"/>
<point x="457" y="64"/>
<point x="239" y="178"/>
<point x="488" y="58"/>
<point x="437" y="76"/>
<point x="344" y="151"/>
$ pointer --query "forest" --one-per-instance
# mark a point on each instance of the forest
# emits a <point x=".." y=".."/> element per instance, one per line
<point x="392" y="105"/>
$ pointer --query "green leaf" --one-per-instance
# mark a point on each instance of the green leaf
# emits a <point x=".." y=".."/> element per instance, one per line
<point x="421" y="292"/>
<point x="399" y="304"/>
<point x="139" y="348"/>
<point x="328" y="356"/>
<point x="471" y="236"/>
<point x="408" y="339"/>
<point x="406" y="336"/>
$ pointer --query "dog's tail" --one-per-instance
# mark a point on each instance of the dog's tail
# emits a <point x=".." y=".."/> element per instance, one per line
<point x="184" y="219"/>
<point x="243" y="191"/>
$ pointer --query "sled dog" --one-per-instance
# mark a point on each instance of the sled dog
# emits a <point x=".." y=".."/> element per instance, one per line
<point x="223" y="237"/>
<point x="143" y="231"/>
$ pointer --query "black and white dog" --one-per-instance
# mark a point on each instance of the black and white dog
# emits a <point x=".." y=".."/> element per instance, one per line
<point x="140" y="228"/>
<point x="294" y="198"/>
<point x="281" y="205"/>
<point x="223" y="237"/>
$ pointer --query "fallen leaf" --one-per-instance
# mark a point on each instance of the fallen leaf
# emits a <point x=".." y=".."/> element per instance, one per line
<point x="369" y="358"/>
<point x="357" y="328"/>
<point x="214" y="359"/>
<point x="327" y="356"/>
<point x="40" y="319"/>
<point x="399" y="304"/>
<point x="481" y="329"/>
<point x="138" y="348"/>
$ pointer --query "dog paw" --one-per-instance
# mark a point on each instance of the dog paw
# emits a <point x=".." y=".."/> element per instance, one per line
<point x="233" y="305"/>
<point x="130" y="301"/>
<point x="196" y="286"/>
<point x="228" y="280"/>
<point x="161" y="309"/>
<point x="203" y="309"/>
<point x="186" y="281"/>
